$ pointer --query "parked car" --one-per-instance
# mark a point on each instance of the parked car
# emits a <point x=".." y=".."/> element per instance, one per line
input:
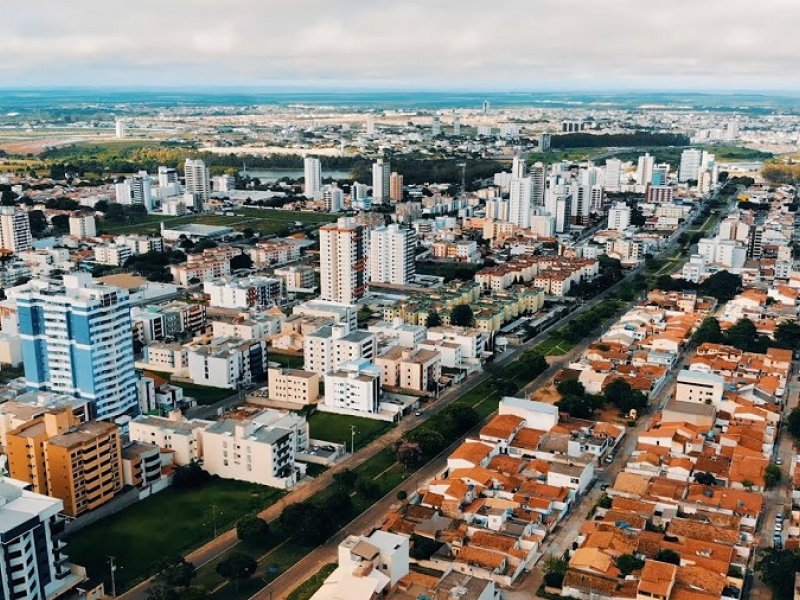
<point x="778" y="527"/>
<point x="610" y="458"/>
<point x="779" y="461"/>
<point x="604" y="487"/>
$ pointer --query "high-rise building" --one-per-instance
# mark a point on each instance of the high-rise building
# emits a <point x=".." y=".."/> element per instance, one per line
<point x="690" y="165"/>
<point x="370" y="125"/>
<point x="78" y="463"/>
<point x="342" y="261"/>
<point x="486" y="107"/>
<point x="141" y="187"/>
<point x="613" y="174"/>
<point x="392" y="255"/>
<point x="82" y="225"/>
<point x="197" y="180"/>
<point x="619" y="216"/>
<point x="312" y="168"/>
<point x="120" y="129"/>
<point x="15" y="229"/>
<point x="660" y="174"/>
<point x="644" y="169"/>
<point x="77" y="339"/>
<point x="395" y="187"/>
<point x="381" y="174"/>
<point x="167" y="176"/>
<point x="456" y="125"/>
<point x="436" y="125"/>
<point x="732" y="130"/>
<point x="333" y="196"/>
<point x="538" y="175"/>
<point x="519" y="202"/>
<point x="518" y="167"/>
<point x="34" y="564"/>
<point x="358" y="191"/>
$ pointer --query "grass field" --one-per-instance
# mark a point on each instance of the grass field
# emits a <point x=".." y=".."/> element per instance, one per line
<point x="204" y="394"/>
<point x="266" y="222"/>
<point x="310" y="586"/>
<point x="172" y="521"/>
<point x="336" y="428"/>
<point x="286" y="360"/>
<point x="554" y="346"/>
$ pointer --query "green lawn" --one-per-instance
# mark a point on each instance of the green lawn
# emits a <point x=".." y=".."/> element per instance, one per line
<point x="554" y="346"/>
<point x="169" y="523"/>
<point x="204" y="394"/>
<point x="336" y="428"/>
<point x="286" y="360"/>
<point x="310" y="586"/>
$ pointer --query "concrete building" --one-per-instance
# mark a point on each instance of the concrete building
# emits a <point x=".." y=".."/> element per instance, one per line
<point x="293" y="385"/>
<point x="417" y="370"/>
<point x="119" y="129"/>
<point x="312" y="170"/>
<point x="519" y="202"/>
<point x="33" y="565"/>
<point x="228" y="362"/>
<point x="180" y="436"/>
<point x="691" y="160"/>
<point x="395" y="187"/>
<point x="333" y="197"/>
<point x="328" y="347"/>
<point x="111" y="254"/>
<point x="353" y="388"/>
<point x="342" y="261"/>
<point x="15" y="229"/>
<point x="77" y="339"/>
<point x="613" y="174"/>
<point x="247" y="450"/>
<point x="197" y="181"/>
<point x="619" y="216"/>
<point x="82" y="225"/>
<point x="392" y="255"/>
<point x="78" y="463"/>
<point x="248" y="292"/>
<point x="381" y="180"/>
<point x="696" y="386"/>
<point x="644" y="169"/>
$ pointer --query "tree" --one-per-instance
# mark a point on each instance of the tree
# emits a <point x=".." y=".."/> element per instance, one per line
<point x="504" y="387"/>
<point x="776" y="568"/>
<point x="430" y="442"/>
<point x="190" y="476"/>
<point x="745" y="336"/>
<point x="722" y="285"/>
<point x="793" y="423"/>
<point x="176" y="572"/>
<point x="237" y="567"/>
<point x="422" y="548"/>
<point x="241" y="261"/>
<point x="576" y="406"/>
<point x="462" y="316"/>
<point x="345" y="479"/>
<point x="402" y="495"/>
<point x="252" y="530"/>
<point x="434" y="319"/>
<point x="628" y="563"/>
<point x="709" y="332"/>
<point x="571" y="387"/>
<point x="554" y="570"/>
<point x="408" y="454"/>
<point x="368" y="489"/>
<point x="787" y="335"/>
<point x="620" y="394"/>
<point x="705" y="478"/>
<point x="38" y="223"/>
<point x="772" y="476"/>
<point x="60" y="223"/>
<point x="668" y="556"/>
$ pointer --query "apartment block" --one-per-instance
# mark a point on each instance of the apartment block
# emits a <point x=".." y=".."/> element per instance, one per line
<point x="227" y="362"/>
<point x="181" y="437"/>
<point x="293" y="385"/>
<point x="330" y="346"/>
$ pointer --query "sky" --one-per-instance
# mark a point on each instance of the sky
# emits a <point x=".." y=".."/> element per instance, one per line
<point x="532" y="45"/>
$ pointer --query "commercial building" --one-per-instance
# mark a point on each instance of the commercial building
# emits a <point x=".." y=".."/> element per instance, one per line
<point x="342" y="261"/>
<point x="78" y="463"/>
<point x="77" y="339"/>
<point x="33" y="565"/>
<point x="392" y="255"/>
<point x="15" y="229"/>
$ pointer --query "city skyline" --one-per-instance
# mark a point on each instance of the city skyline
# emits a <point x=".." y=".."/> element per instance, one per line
<point x="356" y="44"/>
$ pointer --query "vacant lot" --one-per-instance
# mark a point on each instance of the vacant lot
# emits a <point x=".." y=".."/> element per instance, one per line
<point x="167" y="524"/>
<point x="336" y="428"/>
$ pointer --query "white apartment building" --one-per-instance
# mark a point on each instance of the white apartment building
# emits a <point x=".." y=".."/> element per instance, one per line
<point x="519" y="202"/>
<point x="247" y="450"/>
<point x="293" y="385"/>
<point x="543" y="226"/>
<point x="201" y="270"/>
<point x="111" y="254"/>
<point x="346" y="314"/>
<point x="247" y="326"/>
<point x="330" y="346"/>
<point x="613" y="174"/>
<point x="34" y="565"/>
<point x="353" y="388"/>
<point x="197" y="180"/>
<point x="699" y="387"/>
<point x="312" y="171"/>
<point x="405" y="334"/>
<point x="167" y="358"/>
<point x="274" y="253"/>
<point x="342" y="261"/>
<point x="181" y="436"/>
<point x="726" y="253"/>
<point x="15" y="229"/>
<point x="417" y="370"/>
<point x="392" y="255"/>
<point x="333" y="198"/>
<point x="691" y="160"/>
<point x="82" y="225"/>
<point x="644" y="169"/>
<point x="471" y="341"/>
<point x="695" y="269"/>
<point x="245" y="292"/>
<point x="297" y="278"/>
<point x="619" y="216"/>
<point x="227" y="362"/>
<point x="381" y="180"/>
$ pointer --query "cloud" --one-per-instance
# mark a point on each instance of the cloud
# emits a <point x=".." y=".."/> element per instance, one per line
<point x="533" y="44"/>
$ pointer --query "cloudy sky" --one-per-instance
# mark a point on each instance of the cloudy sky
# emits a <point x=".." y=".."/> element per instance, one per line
<point x="415" y="44"/>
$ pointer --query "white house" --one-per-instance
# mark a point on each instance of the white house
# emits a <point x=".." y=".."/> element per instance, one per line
<point x="537" y="415"/>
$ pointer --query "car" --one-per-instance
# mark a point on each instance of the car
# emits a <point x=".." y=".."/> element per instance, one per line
<point x="604" y="487"/>
<point x="779" y="461"/>
<point x="779" y="518"/>
<point x="778" y="528"/>
<point x="418" y="413"/>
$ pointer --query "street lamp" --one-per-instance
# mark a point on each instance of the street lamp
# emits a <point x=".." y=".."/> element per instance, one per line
<point x="112" y="568"/>
<point x="352" y="439"/>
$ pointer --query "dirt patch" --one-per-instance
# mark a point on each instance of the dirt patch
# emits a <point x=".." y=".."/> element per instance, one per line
<point x="547" y="394"/>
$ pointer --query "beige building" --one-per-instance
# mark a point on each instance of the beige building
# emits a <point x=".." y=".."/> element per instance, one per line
<point x="293" y="385"/>
<point x="417" y="370"/>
